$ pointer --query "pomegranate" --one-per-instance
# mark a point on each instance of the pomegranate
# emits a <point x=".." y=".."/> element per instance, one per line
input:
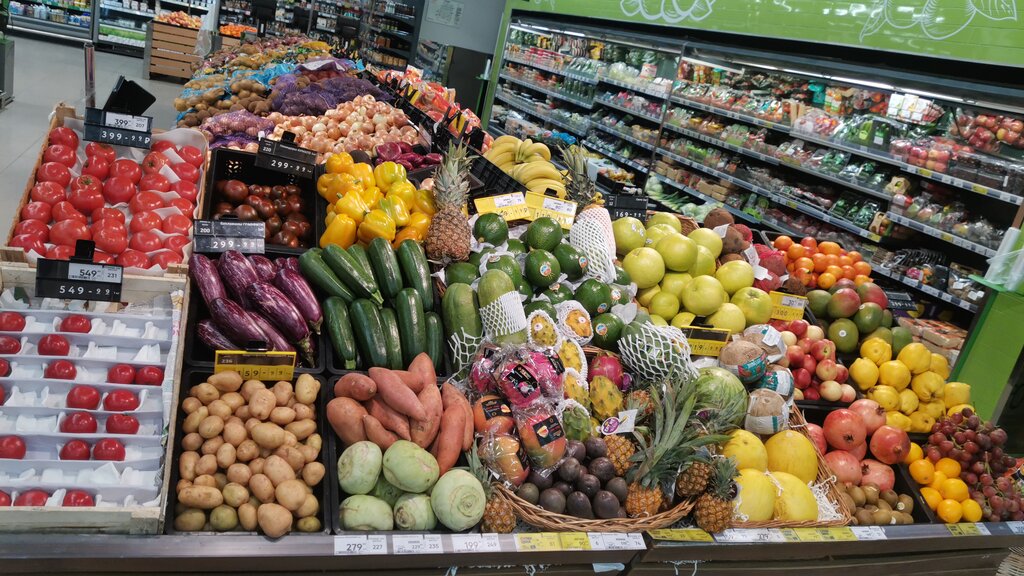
<point x="610" y="367"/>
<point x="844" y="429"/>
<point x="860" y="452"/>
<point x="818" y="437"/>
<point x="871" y="412"/>
<point x="845" y="466"/>
<point x="890" y="444"/>
<point x="874" y="472"/>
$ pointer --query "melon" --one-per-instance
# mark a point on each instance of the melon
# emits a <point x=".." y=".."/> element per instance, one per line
<point x="795" y="502"/>
<point x="792" y="452"/>
<point x="755" y="496"/>
<point x="718" y="388"/>
<point x="747" y="450"/>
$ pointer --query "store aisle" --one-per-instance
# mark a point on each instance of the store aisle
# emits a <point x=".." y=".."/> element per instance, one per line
<point x="46" y="73"/>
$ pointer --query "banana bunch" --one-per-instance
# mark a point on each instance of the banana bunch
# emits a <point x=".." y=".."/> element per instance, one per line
<point x="528" y="162"/>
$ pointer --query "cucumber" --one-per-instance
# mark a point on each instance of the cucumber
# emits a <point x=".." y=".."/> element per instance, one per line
<point x="435" y="340"/>
<point x="493" y="285"/>
<point x="339" y="328"/>
<point x="384" y="266"/>
<point x="314" y="269"/>
<point x="416" y="272"/>
<point x="394" y="342"/>
<point x="350" y="272"/>
<point x="412" y="328"/>
<point x="369" y="332"/>
<point x="359" y="253"/>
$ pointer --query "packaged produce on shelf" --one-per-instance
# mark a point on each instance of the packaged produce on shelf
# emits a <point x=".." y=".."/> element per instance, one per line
<point x="179" y="18"/>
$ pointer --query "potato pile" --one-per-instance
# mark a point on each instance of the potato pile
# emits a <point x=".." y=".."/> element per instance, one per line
<point x="249" y="456"/>
<point x="245" y="94"/>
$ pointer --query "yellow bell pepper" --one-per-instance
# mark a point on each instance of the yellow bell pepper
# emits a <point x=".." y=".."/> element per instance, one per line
<point x="408" y="233"/>
<point x="372" y="196"/>
<point x="377" y="224"/>
<point x="331" y="215"/>
<point x="425" y="202"/>
<point x="338" y="163"/>
<point x="341" y="231"/>
<point x="353" y="206"/>
<point x="363" y="174"/>
<point x="406" y="191"/>
<point x="396" y="209"/>
<point x="323" y="186"/>
<point x="419" y="221"/>
<point x="346" y="183"/>
<point x="387" y="173"/>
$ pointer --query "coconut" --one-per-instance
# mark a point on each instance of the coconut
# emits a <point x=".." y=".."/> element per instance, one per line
<point x="767" y="412"/>
<point x="778" y="379"/>
<point x="733" y="242"/>
<point x="717" y="217"/>
<point x="730" y="257"/>
<point x="793" y="285"/>
<point x="744" y="359"/>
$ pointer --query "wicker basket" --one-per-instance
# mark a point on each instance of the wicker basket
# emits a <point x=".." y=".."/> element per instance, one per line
<point x="540" y="518"/>
<point x="825" y="476"/>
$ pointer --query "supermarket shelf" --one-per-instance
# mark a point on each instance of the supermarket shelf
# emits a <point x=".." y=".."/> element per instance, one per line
<point x="400" y="35"/>
<point x="623" y="136"/>
<point x="929" y="290"/>
<point x="560" y="72"/>
<point x="235" y="10"/>
<point x="697" y="194"/>
<point x="120" y="27"/>
<point x="619" y="158"/>
<point x="128" y="11"/>
<point x="50" y="28"/>
<point x="723" y="144"/>
<point x="730" y="114"/>
<point x="398" y="17"/>
<point x="549" y="92"/>
<point x="185" y="4"/>
<point x="60" y="6"/>
<point x="523" y="108"/>
<point x="945" y="236"/>
<point x="637" y="114"/>
<point x="662" y="95"/>
<point x="838" y="180"/>
<point x="393" y="51"/>
<point x="140" y="44"/>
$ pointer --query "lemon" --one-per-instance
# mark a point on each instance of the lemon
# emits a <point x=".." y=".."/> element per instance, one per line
<point x="972" y="510"/>
<point x="931" y="497"/>
<point x="939" y="365"/>
<point x="916" y="357"/>
<point x="895" y="374"/>
<point x="864" y="373"/>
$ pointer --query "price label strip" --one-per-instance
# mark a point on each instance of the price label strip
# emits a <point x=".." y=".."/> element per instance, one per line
<point x="215" y="236"/>
<point x="266" y="366"/>
<point x="868" y="533"/>
<point x="287" y="157"/>
<point x="360" y="545"/>
<point x="509" y="206"/>
<point x="118" y="129"/>
<point x="839" y="534"/>
<point x="681" y="535"/>
<point x="576" y="540"/>
<point x="71" y="280"/>
<point x="706" y="341"/>
<point x="755" y="535"/>
<point x="561" y="211"/>
<point x="968" y="529"/>
<point x="472" y="543"/>
<point x="417" y="544"/>
<point x="538" y="542"/>
<point x="787" y="307"/>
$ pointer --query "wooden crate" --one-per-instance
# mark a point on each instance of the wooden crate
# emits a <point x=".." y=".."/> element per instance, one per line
<point x="170" y="50"/>
<point x="93" y="520"/>
<point x="229" y="41"/>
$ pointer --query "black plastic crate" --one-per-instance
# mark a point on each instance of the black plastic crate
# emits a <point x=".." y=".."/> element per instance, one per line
<point x="322" y="491"/>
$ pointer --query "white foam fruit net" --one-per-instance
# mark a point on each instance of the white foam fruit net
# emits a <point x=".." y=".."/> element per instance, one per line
<point x="657" y="352"/>
<point x="463" y="347"/>
<point x="504" y="316"/>
<point x="592" y="234"/>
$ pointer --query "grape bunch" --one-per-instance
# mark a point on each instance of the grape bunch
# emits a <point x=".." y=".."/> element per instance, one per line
<point x="978" y="447"/>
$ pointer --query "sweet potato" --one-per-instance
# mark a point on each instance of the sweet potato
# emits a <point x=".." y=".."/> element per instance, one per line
<point x="397" y="395"/>
<point x="346" y="418"/>
<point x="389" y="418"/>
<point x="356" y="386"/>
<point x="449" y="439"/>
<point x="413" y="381"/>
<point x="450" y="396"/>
<point x="376" y="433"/>
<point x="424" y="431"/>
<point x="423" y="367"/>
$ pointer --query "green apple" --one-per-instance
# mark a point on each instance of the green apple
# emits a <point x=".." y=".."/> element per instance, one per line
<point x="755" y="303"/>
<point x="644" y="266"/>
<point x="734" y="275"/>
<point x="678" y="251"/>
<point x="707" y="238"/>
<point x="683" y="319"/>
<point x="704" y="264"/>
<point x="664" y="304"/>
<point x="703" y="295"/>
<point x="629" y="233"/>
<point x="665" y="218"/>
<point x="674" y="282"/>
<point x="728" y="317"/>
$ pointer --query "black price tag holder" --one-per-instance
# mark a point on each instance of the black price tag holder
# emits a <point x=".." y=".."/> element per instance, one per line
<point x="216" y="236"/>
<point x="117" y="128"/>
<point x="79" y="278"/>
<point x="286" y="156"/>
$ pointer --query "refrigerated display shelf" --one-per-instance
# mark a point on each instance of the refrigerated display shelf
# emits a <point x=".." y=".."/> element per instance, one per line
<point x="723" y="144"/>
<point x="623" y="136"/>
<point x="929" y="290"/>
<point x="59" y="6"/>
<point x="636" y="113"/>
<point x="781" y="127"/>
<point x="662" y="95"/>
<point x="942" y="235"/>
<point x="128" y="10"/>
<point x="548" y="91"/>
<point x="511" y="101"/>
<point x="120" y="40"/>
<point x="60" y="29"/>
<point x="185" y="5"/>
<point x="559" y="71"/>
<point x="615" y="156"/>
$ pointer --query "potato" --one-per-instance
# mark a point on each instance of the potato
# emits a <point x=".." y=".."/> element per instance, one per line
<point x="290" y="494"/>
<point x="251" y="386"/>
<point x="191" y="520"/>
<point x="309" y="506"/>
<point x="303" y="412"/>
<point x="227" y="381"/>
<point x="211" y="426"/>
<point x="316" y="441"/>
<point x="206" y="393"/>
<point x="292" y="456"/>
<point x="233" y="400"/>
<point x="275" y="520"/>
<point x="207" y="464"/>
<point x="290" y="439"/>
<point x="313" y="473"/>
<point x="181" y="485"/>
<point x="308" y="524"/>
<point x="191" y="441"/>
<point x="265" y="453"/>
<point x="243" y="412"/>
<point x="291" y="403"/>
<point x="220" y="408"/>
<point x="239" y="473"/>
<point x="283" y="391"/>
<point x="252" y="423"/>
<point x="246" y="451"/>
<point x="308" y="452"/>
<point x="234" y="433"/>
<point x="235" y="495"/>
<point x="234" y="420"/>
<point x="262" y="488"/>
<point x="261" y="403"/>
<point x="278" y="470"/>
<point x="191" y="423"/>
<point x="222" y="480"/>
<point x="247" y="516"/>
<point x="212" y="445"/>
<point x="268" y="435"/>
<point x="205" y="480"/>
<point x="224" y="518"/>
<point x="257" y="464"/>
<point x="282" y="415"/>
<point x="306" y="389"/>
<point x="225" y="455"/>
<point x="190" y="404"/>
<point x="187" y="465"/>
<point x="302" y="428"/>
<point x="202" y="497"/>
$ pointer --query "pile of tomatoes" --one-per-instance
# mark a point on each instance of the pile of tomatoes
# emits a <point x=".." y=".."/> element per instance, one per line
<point x="821" y="265"/>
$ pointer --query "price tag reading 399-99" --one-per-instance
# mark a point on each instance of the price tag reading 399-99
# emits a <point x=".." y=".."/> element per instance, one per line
<point x="118" y="129"/>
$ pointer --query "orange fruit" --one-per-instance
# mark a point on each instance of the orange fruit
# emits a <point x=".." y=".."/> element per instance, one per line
<point x="783" y="243"/>
<point x="950" y="511"/>
<point x="954" y="489"/>
<point x="937" y="479"/>
<point x="829" y="248"/>
<point x="810" y="243"/>
<point x="826" y="280"/>
<point x="819" y="262"/>
<point x="805" y="263"/>
<point x="862" y="267"/>
<point x="931" y="497"/>
<point x="855" y="256"/>
<point x="831" y="259"/>
<point x="790" y="266"/>
<point x="849" y="273"/>
<point x="803" y="276"/>
<point x="972" y="510"/>
<point x="861" y="279"/>
<point x="914" y="454"/>
<point x="814" y="281"/>
<point x="795" y="251"/>
<point x="922" y="471"/>
<point x="845" y="261"/>
<point x="949" y="467"/>
<point x="835" y="271"/>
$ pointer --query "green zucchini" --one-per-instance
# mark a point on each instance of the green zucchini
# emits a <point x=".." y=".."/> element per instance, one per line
<point x="435" y="340"/>
<point x="394" y="340"/>
<point x="351" y="273"/>
<point x="416" y="272"/>
<point x="369" y="332"/>
<point x="359" y="253"/>
<point x="412" y="328"/>
<point x="384" y="265"/>
<point x="314" y="269"/>
<point x="339" y="328"/>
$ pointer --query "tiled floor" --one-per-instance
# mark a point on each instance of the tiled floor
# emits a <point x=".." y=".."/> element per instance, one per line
<point x="46" y="73"/>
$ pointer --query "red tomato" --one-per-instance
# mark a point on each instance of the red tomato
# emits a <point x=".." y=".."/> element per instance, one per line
<point x="76" y="323"/>
<point x="166" y="258"/>
<point x="5" y="498"/>
<point x="68" y="232"/>
<point x="119" y="189"/>
<point x="78" y="498"/>
<point x="101" y="257"/>
<point x="60" y="370"/>
<point x="145" y="241"/>
<point x="65" y="136"/>
<point x="12" y="447"/>
<point x="145" y="201"/>
<point x="186" y="171"/>
<point x="183" y="205"/>
<point x="149" y="375"/>
<point x="5" y="369"/>
<point x="9" y="345"/>
<point x="60" y="153"/>
<point x="32" y="498"/>
<point x="36" y="228"/>
<point x="145" y="220"/>
<point x="130" y="169"/>
<point x="177" y="224"/>
<point x="88" y="197"/>
<point x="12" y="322"/>
<point x="54" y="172"/>
<point x="122" y="424"/>
<point x="83" y="397"/>
<point x="75" y="450"/>
<point x="28" y="243"/>
<point x="154" y="181"/>
<point x="133" y="259"/>
<point x="186" y="190"/>
<point x="110" y="236"/>
<point x="107" y="213"/>
<point x="108" y="449"/>
<point x="97" y="166"/>
<point x="121" y="374"/>
<point x="100" y="150"/>
<point x="49" y="192"/>
<point x="153" y="162"/>
<point x="53" y="345"/>
<point x="120" y="401"/>
<point x="39" y="211"/>
<point x="176" y="243"/>
<point x="78" y="423"/>
<point x="63" y="210"/>
<point x="192" y="155"/>
<point x="59" y="252"/>
<point x="161" y="145"/>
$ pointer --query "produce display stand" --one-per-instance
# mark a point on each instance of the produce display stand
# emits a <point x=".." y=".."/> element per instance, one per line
<point x="169" y="51"/>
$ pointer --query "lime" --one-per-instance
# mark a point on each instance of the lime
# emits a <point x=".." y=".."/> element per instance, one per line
<point x="475" y="257"/>
<point x="541" y="305"/>
<point x="542" y="268"/>
<point x="619" y="295"/>
<point x="558" y="293"/>
<point x="595" y="296"/>
<point x="621" y="276"/>
<point x="524" y="287"/>
<point x="543" y="234"/>
<point x="460" y="273"/>
<point x="516" y="246"/>
<point x="607" y="328"/>
<point x="506" y="264"/>
<point x="490" y="228"/>
<point x="573" y="262"/>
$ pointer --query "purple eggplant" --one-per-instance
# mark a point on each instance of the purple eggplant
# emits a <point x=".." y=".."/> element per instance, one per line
<point x="292" y="263"/>
<point x="301" y="294"/>
<point x="279" y="311"/>
<point x="238" y="274"/>
<point x="233" y="321"/>
<point x="204" y="274"/>
<point x="275" y="340"/>
<point x="263" y="266"/>
<point x="214" y="339"/>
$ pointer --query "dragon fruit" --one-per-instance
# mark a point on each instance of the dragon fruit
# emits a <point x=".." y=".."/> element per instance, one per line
<point x="605" y="398"/>
<point x="609" y="366"/>
<point x="481" y="375"/>
<point x="576" y="388"/>
<point x="527" y="374"/>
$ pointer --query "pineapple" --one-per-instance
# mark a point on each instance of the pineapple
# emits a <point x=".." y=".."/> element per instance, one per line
<point x="640" y="401"/>
<point x="498" y="514"/>
<point x="620" y="450"/>
<point x="605" y="398"/>
<point x="579" y="187"/>
<point x="693" y="480"/>
<point x="714" y="508"/>
<point x="449" y="235"/>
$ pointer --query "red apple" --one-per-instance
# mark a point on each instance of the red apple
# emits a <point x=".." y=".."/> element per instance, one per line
<point x="809" y="363"/>
<point x="805" y="344"/>
<point x="826" y="369"/>
<point x="842" y="374"/>
<point x="798" y="327"/>
<point x="801" y="378"/>
<point x="795" y="354"/>
<point x="823" y="350"/>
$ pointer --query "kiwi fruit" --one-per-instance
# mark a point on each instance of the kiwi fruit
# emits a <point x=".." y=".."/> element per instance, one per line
<point x="552" y="500"/>
<point x="588" y="484"/>
<point x="606" y="505"/>
<point x="863" y="517"/>
<point x="857" y="493"/>
<point x="596" y="448"/>
<point x="870" y="507"/>
<point x="618" y="487"/>
<point x="570" y="470"/>
<point x="891" y="497"/>
<point x="528" y="492"/>
<point x="870" y="493"/>
<point x="906" y="504"/>
<point x="847" y="501"/>
<point x="539" y="480"/>
<point x="883" y="505"/>
<point x="578" y="505"/>
<point x="602" y="468"/>
<point x="576" y="449"/>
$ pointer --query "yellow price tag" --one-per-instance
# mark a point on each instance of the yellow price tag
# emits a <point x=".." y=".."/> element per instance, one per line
<point x="561" y="211"/>
<point x="538" y="542"/>
<point x="681" y="535"/>
<point x="266" y="366"/>
<point x="966" y="529"/>
<point x="787" y="307"/>
<point x="840" y="534"/>
<point x="509" y="206"/>
<point x="978" y="188"/>
<point x="574" y="540"/>
<point x="925" y="173"/>
<point x="946" y="236"/>
<point x="706" y="341"/>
